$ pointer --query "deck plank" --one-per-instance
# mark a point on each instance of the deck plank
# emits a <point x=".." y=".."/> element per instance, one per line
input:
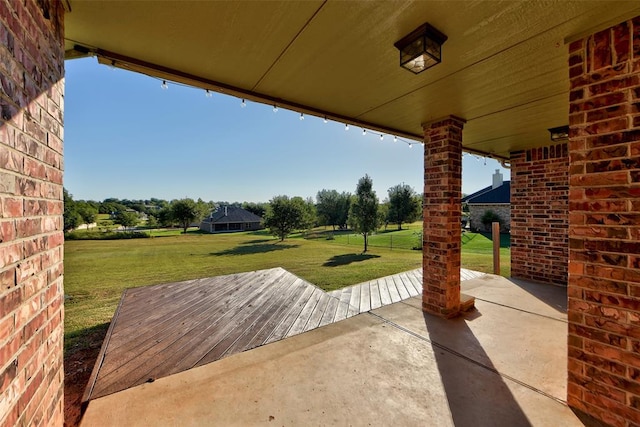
<point x="300" y="323"/>
<point x="318" y="312"/>
<point x="375" y="295"/>
<point x="385" y="296"/>
<point x="342" y="312"/>
<point x="263" y="316"/>
<point x="330" y="311"/>
<point x="402" y="289"/>
<point x="282" y="329"/>
<point x="365" y="297"/>
<point x="295" y="292"/>
<point x="354" y="302"/>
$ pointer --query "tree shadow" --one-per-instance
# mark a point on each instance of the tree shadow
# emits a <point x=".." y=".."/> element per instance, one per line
<point x="254" y="249"/>
<point x="254" y="242"/>
<point x="346" y="259"/>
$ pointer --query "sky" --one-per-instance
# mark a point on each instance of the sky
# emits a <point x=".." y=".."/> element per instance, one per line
<point x="126" y="137"/>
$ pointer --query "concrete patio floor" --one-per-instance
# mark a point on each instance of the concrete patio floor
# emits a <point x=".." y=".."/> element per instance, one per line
<point x="502" y="364"/>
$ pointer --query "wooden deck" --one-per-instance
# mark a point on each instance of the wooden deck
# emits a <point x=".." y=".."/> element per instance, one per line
<point x="161" y="330"/>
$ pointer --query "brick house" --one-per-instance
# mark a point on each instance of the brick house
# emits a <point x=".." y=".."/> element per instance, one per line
<point x="231" y="219"/>
<point x="575" y="215"/>
<point x="495" y="198"/>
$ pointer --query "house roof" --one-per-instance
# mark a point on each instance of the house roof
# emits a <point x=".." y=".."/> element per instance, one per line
<point x="490" y="195"/>
<point x="504" y="68"/>
<point x="232" y="214"/>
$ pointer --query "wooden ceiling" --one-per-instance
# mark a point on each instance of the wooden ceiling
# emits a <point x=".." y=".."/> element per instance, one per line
<point x="504" y="66"/>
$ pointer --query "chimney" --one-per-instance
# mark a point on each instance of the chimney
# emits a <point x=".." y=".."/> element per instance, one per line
<point x="497" y="179"/>
<point x="225" y="208"/>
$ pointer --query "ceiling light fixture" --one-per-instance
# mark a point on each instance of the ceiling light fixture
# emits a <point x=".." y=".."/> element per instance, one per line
<point x="560" y="133"/>
<point x="421" y="49"/>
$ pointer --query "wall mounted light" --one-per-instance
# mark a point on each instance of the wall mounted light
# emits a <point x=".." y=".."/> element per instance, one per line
<point x="560" y="133"/>
<point x="421" y="49"/>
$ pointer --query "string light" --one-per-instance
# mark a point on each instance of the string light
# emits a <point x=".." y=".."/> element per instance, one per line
<point x="275" y="108"/>
<point x="244" y="104"/>
<point x="395" y="138"/>
<point x="301" y="116"/>
<point x="410" y="145"/>
<point x="325" y="119"/>
<point x="364" y="131"/>
<point x="346" y="126"/>
<point x="381" y="137"/>
<point x="207" y="94"/>
<point x="485" y="161"/>
<point x="164" y="85"/>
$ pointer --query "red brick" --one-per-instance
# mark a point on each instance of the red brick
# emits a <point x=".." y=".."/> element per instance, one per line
<point x="604" y="294"/>
<point x="442" y="192"/>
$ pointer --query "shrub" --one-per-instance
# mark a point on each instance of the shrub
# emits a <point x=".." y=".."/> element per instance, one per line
<point x="490" y="217"/>
<point x="99" y="235"/>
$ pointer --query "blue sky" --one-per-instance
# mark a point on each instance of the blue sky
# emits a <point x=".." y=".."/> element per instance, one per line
<point x="128" y="138"/>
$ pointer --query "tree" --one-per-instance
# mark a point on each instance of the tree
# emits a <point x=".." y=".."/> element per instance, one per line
<point x="203" y="209"/>
<point x="403" y="205"/>
<point x="165" y="217"/>
<point x="363" y="216"/>
<point x="87" y="211"/>
<point x="309" y="213"/>
<point x="126" y="219"/>
<point x="255" y="208"/>
<point x="284" y="215"/>
<point x="184" y="211"/>
<point x="71" y="216"/>
<point x="333" y="207"/>
<point x="152" y="222"/>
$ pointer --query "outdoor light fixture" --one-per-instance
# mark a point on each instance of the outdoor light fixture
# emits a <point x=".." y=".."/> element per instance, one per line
<point x="421" y="49"/>
<point x="560" y="133"/>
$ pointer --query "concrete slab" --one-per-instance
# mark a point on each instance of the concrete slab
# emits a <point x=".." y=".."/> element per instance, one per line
<point x="542" y="299"/>
<point x="393" y="366"/>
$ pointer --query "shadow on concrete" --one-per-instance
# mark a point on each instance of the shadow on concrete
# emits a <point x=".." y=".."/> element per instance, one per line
<point x="338" y="260"/>
<point x="246" y="249"/>
<point x="554" y="296"/>
<point x="476" y="393"/>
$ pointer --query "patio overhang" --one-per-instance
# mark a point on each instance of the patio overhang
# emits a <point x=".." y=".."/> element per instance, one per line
<point x="503" y="67"/>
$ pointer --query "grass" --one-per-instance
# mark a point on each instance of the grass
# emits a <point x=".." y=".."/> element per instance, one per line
<point x="97" y="271"/>
<point x="477" y="252"/>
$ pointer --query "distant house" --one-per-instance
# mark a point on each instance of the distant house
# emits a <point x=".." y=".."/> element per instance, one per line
<point x="230" y="219"/>
<point x="496" y="197"/>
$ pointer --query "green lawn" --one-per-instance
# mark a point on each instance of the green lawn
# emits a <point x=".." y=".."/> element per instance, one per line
<point x="477" y="252"/>
<point x="97" y="271"/>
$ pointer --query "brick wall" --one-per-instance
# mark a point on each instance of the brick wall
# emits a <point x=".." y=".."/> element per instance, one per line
<point x="442" y="214"/>
<point x="604" y="225"/>
<point x="31" y="295"/>
<point x="539" y="214"/>
<point x="477" y="210"/>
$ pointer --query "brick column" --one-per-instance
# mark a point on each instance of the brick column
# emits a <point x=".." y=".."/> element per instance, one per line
<point x="540" y="214"/>
<point x="31" y="239"/>
<point x="442" y="214"/>
<point x="604" y="225"/>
